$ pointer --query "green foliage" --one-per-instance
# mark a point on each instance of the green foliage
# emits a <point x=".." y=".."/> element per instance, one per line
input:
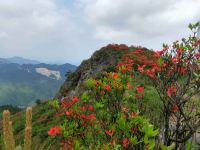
<point x="163" y="147"/>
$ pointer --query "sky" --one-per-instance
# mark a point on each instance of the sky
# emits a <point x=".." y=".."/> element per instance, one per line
<point x="69" y="31"/>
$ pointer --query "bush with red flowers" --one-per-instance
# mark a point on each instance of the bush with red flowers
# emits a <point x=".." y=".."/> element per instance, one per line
<point x="107" y="115"/>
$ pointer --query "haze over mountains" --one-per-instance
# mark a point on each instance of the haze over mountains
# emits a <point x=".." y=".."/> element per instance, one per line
<point x="22" y="81"/>
<point x="18" y="60"/>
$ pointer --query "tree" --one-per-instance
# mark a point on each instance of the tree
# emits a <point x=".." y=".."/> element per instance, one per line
<point x="175" y="75"/>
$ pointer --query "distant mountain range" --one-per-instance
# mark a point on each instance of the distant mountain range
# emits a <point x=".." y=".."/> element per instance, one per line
<point x="23" y="81"/>
<point x="18" y="60"/>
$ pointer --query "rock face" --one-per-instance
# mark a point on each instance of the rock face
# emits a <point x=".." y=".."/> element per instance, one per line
<point x="49" y="73"/>
<point x="102" y="60"/>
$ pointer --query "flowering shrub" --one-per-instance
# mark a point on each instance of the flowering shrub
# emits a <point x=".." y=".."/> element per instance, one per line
<point x="174" y="71"/>
<point x="78" y="118"/>
<point x="107" y="115"/>
<point x="116" y="110"/>
<point x="113" y="117"/>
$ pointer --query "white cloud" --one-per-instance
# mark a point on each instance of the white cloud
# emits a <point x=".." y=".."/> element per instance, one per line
<point x="143" y="19"/>
<point x="36" y="27"/>
<point x="70" y="30"/>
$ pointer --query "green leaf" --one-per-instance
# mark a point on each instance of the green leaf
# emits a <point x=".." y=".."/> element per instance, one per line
<point x="98" y="105"/>
<point x="196" y="75"/>
<point x="54" y="103"/>
<point x="122" y="123"/>
<point x="163" y="147"/>
<point x="77" y="145"/>
<point x="146" y="139"/>
<point x="85" y="97"/>
<point x="160" y="61"/>
<point x="152" y="144"/>
<point x="90" y="83"/>
<point x="190" y="26"/>
<point x="134" y="140"/>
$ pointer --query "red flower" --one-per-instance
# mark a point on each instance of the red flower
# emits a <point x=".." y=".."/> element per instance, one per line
<point x="83" y="108"/>
<point x="158" y="53"/>
<point x="150" y="73"/>
<point x="134" y="114"/>
<point x="107" y="87"/>
<point x="115" y="75"/>
<point x="91" y="117"/>
<point x="53" y="131"/>
<point x="140" y="89"/>
<point x="75" y="99"/>
<point x="68" y="113"/>
<point x="90" y="108"/>
<point x="110" y="132"/>
<point x="141" y="68"/>
<point x="137" y="52"/>
<point x="179" y="51"/>
<point x="129" y="86"/>
<point x="171" y="90"/>
<point x="197" y="55"/>
<point x="175" y="108"/>
<point x="174" y="60"/>
<point x="125" y="142"/>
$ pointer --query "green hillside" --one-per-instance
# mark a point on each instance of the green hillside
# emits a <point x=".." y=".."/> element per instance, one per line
<point x="96" y="67"/>
<point x="44" y="115"/>
<point x="21" y="85"/>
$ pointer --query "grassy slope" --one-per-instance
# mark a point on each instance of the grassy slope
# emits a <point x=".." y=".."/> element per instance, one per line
<point x="43" y="119"/>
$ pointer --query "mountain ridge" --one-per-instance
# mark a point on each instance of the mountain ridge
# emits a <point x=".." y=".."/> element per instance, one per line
<point x="22" y="84"/>
<point x="18" y="60"/>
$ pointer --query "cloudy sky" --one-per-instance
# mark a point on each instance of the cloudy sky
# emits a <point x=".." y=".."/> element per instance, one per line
<point x="60" y="31"/>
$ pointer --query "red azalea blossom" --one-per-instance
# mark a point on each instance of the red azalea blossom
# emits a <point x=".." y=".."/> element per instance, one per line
<point x="171" y="90"/>
<point x="91" y="117"/>
<point x="197" y="55"/>
<point x="83" y="108"/>
<point x="179" y="51"/>
<point x="134" y="114"/>
<point x="141" y="68"/>
<point x="53" y="131"/>
<point x="174" y="60"/>
<point x="90" y="108"/>
<point x="75" y="99"/>
<point x="175" y="108"/>
<point x="87" y="117"/>
<point x="140" y="89"/>
<point x="150" y="73"/>
<point x="107" y="87"/>
<point x="125" y="142"/>
<point x="115" y="75"/>
<point x="68" y="113"/>
<point x="137" y="52"/>
<point x="110" y="132"/>
<point x="157" y="53"/>
<point x="129" y="86"/>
